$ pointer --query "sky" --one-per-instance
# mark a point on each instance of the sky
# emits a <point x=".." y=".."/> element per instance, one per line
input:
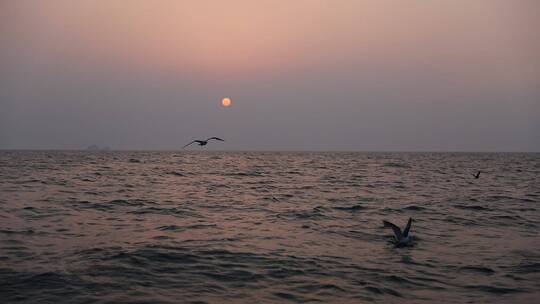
<point x="375" y="75"/>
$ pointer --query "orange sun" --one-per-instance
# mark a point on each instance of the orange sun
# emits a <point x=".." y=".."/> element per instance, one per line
<point x="226" y="101"/>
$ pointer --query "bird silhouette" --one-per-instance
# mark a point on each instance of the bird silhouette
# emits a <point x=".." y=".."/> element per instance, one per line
<point x="203" y="142"/>
<point x="477" y="175"/>
<point x="401" y="238"/>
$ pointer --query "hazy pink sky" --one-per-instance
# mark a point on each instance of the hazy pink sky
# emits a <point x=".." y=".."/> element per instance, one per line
<point x="303" y="75"/>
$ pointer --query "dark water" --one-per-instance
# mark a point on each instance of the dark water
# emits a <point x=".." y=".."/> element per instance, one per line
<point x="209" y="227"/>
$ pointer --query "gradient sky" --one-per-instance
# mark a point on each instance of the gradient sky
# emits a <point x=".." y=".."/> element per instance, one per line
<point x="454" y="75"/>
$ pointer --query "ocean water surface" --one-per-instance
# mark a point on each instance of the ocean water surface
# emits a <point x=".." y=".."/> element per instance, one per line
<point x="268" y="227"/>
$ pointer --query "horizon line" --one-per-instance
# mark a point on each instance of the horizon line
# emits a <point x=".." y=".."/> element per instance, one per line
<point x="263" y="151"/>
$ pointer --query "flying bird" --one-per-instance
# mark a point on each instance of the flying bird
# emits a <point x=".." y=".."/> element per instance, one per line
<point x="203" y="142"/>
<point x="402" y="238"/>
<point x="477" y="175"/>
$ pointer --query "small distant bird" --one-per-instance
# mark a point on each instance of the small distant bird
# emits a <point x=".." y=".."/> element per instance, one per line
<point x="203" y="142"/>
<point x="401" y="238"/>
<point x="477" y="175"/>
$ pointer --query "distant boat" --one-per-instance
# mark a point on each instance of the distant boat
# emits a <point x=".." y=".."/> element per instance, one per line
<point x="97" y="148"/>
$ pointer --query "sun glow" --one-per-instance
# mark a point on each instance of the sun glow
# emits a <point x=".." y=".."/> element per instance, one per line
<point x="226" y="101"/>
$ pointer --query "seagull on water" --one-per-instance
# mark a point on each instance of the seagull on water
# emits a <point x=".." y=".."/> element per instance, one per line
<point x="477" y="175"/>
<point x="402" y="238"/>
<point x="203" y="142"/>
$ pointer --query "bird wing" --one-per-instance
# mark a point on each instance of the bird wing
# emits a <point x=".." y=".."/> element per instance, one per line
<point x="189" y="144"/>
<point x="406" y="231"/>
<point x="397" y="230"/>
<point x="216" y="138"/>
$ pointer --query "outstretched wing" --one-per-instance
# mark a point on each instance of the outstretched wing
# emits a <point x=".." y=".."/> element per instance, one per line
<point x="396" y="229"/>
<point x="189" y="144"/>
<point x="406" y="231"/>
<point x="216" y="138"/>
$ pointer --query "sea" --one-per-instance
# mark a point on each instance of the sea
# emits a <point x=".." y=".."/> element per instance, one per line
<point x="268" y="227"/>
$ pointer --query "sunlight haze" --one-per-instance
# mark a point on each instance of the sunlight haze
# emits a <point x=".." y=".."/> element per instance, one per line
<point x="302" y="75"/>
